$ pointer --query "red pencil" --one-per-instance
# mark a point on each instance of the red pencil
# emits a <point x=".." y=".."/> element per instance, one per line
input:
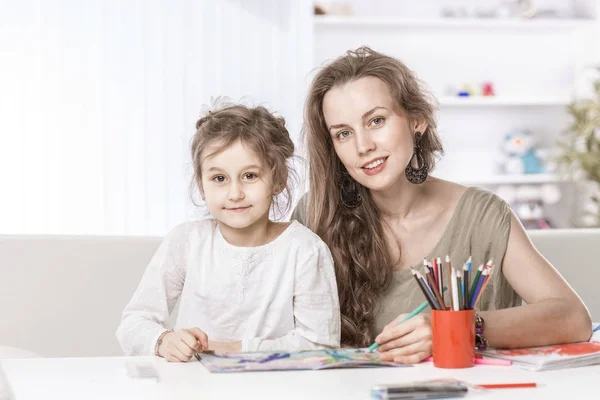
<point x="508" y="385"/>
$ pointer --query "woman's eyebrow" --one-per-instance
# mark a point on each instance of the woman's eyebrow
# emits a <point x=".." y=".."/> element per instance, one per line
<point x="365" y="115"/>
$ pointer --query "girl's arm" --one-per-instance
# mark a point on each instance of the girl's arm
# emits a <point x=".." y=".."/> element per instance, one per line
<point x="316" y="308"/>
<point x="144" y="318"/>
<point x="554" y="313"/>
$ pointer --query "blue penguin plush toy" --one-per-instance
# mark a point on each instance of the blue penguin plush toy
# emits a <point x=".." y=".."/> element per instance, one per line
<point x="520" y="154"/>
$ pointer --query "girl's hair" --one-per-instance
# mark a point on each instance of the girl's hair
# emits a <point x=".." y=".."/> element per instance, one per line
<point x="263" y="132"/>
<point x="356" y="235"/>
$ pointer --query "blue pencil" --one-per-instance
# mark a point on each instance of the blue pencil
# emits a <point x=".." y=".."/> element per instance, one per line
<point x="479" y="287"/>
<point x="409" y="316"/>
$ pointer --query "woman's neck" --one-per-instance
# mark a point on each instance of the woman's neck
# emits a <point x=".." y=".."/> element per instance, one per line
<point x="403" y="200"/>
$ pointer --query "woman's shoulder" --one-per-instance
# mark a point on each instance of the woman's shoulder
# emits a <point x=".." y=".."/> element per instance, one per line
<point x="469" y="201"/>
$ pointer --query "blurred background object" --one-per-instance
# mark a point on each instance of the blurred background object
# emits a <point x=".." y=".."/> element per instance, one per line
<point x="99" y="98"/>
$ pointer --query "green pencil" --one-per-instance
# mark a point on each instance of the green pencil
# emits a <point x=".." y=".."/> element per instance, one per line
<point x="409" y="316"/>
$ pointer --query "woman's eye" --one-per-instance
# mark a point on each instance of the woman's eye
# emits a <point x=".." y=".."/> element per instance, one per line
<point x="377" y="121"/>
<point x="219" y="179"/>
<point x="250" y="175"/>
<point x="343" y="134"/>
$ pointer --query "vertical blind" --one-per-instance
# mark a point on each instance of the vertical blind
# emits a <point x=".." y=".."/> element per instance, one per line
<point x="99" y="98"/>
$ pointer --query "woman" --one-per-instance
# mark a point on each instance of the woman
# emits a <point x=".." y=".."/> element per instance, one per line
<point x="371" y="136"/>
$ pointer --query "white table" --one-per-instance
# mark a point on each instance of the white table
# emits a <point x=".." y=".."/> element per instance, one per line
<point x="105" y="378"/>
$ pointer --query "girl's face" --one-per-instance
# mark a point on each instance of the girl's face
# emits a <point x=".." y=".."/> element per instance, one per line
<point x="370" y="135"/>
<point x="237" y="187"/>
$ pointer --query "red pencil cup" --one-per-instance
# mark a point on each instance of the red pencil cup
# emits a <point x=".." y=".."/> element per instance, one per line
<point x="453" y="338"/>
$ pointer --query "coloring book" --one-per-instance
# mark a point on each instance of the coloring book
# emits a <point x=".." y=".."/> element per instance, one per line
<point x="553" y="357"/>
<point x="276" y="361"/>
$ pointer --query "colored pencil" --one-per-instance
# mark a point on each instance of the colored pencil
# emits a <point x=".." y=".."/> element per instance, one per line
<point x="427" y="290"/>
<point x="479" y="287"/>
<point x="487" y="361"/>
<point x="440" y="273"/>
<point x="484" y="284"/>
<point x="436" y="272"/>
<point x="435" y="290"/>
<point x="459" y="285"/>
<point x="465" y="286"/>
<point x="454" y="290"/>
<point x="415" y="312"/>
<point x="475" y="281"/>
<point x="484" y="361"/>
<point x="427" y="266"/>
<point x="508" y="385"/>
<point x="448" y="266"/>
<point x="469" y="262"/>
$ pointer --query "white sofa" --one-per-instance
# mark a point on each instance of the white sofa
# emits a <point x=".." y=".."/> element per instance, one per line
<point x="62" y="296"/>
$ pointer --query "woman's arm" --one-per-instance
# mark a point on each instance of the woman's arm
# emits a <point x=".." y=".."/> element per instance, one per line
<point x="145" y="316"/>
<point x="316" y="308"/>
<point x="553" y="314"/>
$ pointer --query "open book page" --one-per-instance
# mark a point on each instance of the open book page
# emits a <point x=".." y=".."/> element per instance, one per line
<point x="275" y="361"/>
<point x="553" y="357"/>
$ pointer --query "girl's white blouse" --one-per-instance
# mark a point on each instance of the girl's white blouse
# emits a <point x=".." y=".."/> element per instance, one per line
<point x="279" y="296"/>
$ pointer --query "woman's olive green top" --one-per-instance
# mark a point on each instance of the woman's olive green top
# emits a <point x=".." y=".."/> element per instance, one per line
<point x="479" y="228"/>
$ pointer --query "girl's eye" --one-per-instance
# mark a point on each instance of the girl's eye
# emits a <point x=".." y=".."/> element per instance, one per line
<point x="219" y="179"/>
<point x="377" y="121"/>
<point x="250" y="175"/>
<point x="343" y="134"/>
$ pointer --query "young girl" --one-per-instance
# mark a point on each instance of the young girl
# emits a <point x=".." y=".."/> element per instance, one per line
<point x="245" y="283"/>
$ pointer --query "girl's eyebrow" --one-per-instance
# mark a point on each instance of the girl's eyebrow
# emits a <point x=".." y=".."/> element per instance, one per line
<point x="244" y="167"/>
<point x="364" y="116"/>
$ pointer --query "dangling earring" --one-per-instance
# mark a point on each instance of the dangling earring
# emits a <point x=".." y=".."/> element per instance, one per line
<point x="349" y="192"/>
<point x="417" y="175"/>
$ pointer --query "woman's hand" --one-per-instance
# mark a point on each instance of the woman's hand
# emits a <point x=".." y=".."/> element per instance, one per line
<point x="225" y="347"/>
<point x="181" y="345"/>
<point x="406" y="342"/>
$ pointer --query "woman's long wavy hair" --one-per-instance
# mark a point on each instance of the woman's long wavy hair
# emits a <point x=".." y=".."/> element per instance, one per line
<point x="356" y="235"/>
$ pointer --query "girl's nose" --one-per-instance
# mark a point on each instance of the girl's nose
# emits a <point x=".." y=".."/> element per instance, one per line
<point x="235" y="192"/>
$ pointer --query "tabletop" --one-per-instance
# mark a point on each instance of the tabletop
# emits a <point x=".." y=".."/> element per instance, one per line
<point x="106" y="378"/>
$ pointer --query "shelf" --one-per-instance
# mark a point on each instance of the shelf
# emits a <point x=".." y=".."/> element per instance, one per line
<point x="495" y="101"/>
<point x="509" y="179"/>
<point x="452" y="23"/>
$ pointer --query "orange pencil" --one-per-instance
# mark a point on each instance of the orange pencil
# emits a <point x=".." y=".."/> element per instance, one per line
<point x="508" y="385"/>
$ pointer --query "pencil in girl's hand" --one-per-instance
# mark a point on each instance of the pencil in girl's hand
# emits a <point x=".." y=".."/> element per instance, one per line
<point x="465" y="286"/>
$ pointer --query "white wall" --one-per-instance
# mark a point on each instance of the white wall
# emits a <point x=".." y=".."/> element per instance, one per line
<point x="99" y="98"/>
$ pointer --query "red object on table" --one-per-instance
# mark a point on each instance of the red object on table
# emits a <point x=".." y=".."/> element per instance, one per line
<point x="508" y="385"/>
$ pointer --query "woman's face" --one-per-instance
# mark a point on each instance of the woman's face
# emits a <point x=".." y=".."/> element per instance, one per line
<point x="370" y="134"/>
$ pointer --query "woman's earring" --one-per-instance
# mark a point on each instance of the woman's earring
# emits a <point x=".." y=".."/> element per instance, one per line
<point x="417" y="175"/>
<point x="349" y="191"/>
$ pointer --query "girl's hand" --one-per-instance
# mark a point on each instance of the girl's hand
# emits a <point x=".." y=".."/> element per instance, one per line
<point x="225" y="347"/>
<point x="181" y="345"/>
<point x="406" y="342"/>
